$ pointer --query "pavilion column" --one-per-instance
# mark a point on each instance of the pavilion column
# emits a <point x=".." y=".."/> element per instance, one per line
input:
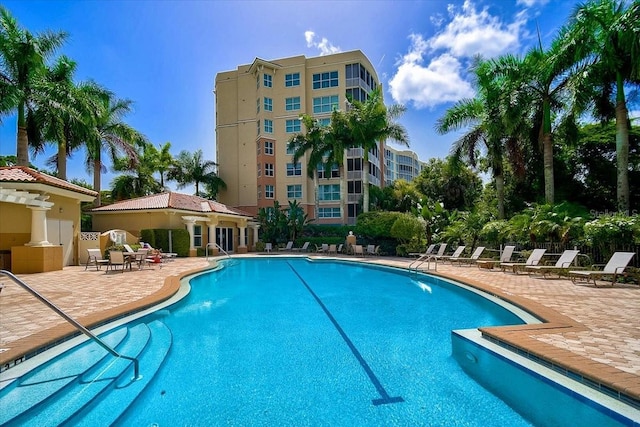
<point x="38" y="226"/>
<point x="243" y="231"/>
<point x="255" y="234"/>
<point x="190" y="228"/>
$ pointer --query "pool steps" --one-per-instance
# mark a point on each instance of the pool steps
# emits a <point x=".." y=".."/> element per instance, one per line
<point x="80" y="387"/>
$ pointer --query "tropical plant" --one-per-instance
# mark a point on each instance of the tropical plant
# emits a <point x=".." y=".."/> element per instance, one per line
<point x="297" y="219"/>
<point x="273" y="223"/>
<point x="110" y="133"/>
<point x="371" y="123"/>
<point x="23" y="58"/>
<point x="609" y="32"/>
<point x="137" y="181"/>
<point x="191" y="169"/>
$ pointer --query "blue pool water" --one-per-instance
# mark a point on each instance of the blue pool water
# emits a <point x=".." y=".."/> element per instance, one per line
<point x="288" y="341"/>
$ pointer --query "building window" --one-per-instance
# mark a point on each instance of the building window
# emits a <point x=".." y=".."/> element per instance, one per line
<point x="292" y="104"/>
<point x="325" y="80"/>
<point x="269" y="193"/>
<point x="258" y="123"/>
<point x="268" y="169"/>
<point x="268" y="148"/>
<point x="259" y="192"/>
<point x="294" y="169"/>
<point x="268" y="104"/>
<point x="290" y="151"/>
<point x="293" y="125"/>
<point x="292" y="79"/>
<point x="258" y="147"/>
<point x="259" y="170"/>
<point x="268" y="126"/>
<point x="335" y="171"/>
<point x="329" y="192"/>
<point x="257" y="105"/>
<point x="324" y="122"/>
<point x="294" y="191"/>
<point x="197" y="236"/>
<point x="328" y="212"/>
<point x="267" y="80"/>
<point x="325" y="104"/>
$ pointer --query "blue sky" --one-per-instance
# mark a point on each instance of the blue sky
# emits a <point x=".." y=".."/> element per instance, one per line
<point x="164" y="55"/>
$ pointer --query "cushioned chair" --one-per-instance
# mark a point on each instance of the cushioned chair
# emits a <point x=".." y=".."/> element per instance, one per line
<point x="614" y="268"/>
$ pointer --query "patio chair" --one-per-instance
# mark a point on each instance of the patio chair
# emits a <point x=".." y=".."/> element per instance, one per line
<point x="534" y="259"/>
<point x="94" y="256"/>
<point x="117" y="258"/>
<point x="470" y="260"/>
<point x="358" y="250"/>
<point x="340" y="246"/>
<point x="372" y="249"/>
<point x="324" y="248"/>
<point x="614" y="268"/>
<point x="507" y="252"/>
<point x="303" y="248"/>
<point x="563" y="264"/>
<point x="288" y="247"/>
<point x="268" y="247"/>
<point x="128" y="248"/>
<point x="429" y="251"/>
<point x="456" y="254"/>
<point x="333" y="249"/>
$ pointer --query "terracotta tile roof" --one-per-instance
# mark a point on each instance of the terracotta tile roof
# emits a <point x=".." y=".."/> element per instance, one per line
<point x="171" y="200"/>
<point x="28" y="175"/>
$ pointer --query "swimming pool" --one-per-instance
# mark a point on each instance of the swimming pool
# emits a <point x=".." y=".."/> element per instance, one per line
<point x="289" y="341"/>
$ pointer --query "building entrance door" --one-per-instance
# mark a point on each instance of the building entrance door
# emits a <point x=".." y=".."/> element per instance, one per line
<point x="224" y="238"/>
<point x="60" y="232"/>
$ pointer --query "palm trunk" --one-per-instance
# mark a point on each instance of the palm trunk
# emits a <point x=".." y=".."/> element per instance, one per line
<point x="343" y="196"/>
<point x="316" y="202"/>
<point x="62" y="160"/>
<point x="22" y="142"/>
<point x="96" y="180"/>
<point x="622" y="147"/>
<point x="500" y="194"/>
<point x="547" y="147"/>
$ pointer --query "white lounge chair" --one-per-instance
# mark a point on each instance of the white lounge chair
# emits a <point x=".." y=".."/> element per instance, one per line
<point x="534" y="259"/>
<point x="507" y="252"/>
<point x="94" y="256"/>
<point x="288" y="247"/>
<point x="372" y="249"/>
<point x="453" y="256"/>
<point x="324" y="248"/>
<point x="470" y="260"/>
<point x="303" y="248"/>
<point x="429" y="251"/>
<point x="563" y="264"/>
<point x="614" y="268"/>
<point x="268" y="247"/>
<point x="358" y="250"/>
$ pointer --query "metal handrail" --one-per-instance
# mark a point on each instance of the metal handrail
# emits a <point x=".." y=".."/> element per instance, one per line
<point x="424" y="258"/>
<point x="23" y="285"/>
<point x="206" y="250"/>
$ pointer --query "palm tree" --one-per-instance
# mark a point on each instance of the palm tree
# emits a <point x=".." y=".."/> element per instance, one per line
<point x="371" y="122"/>
<point x="23" y="56"/>
<point x="610" y="34"/>
<point x="137" y="181"/>
<point x="193" y="169"/>
<point x="484" y="116"/>
<point x="110" y="133"/>
<point x="338" y="139"/>
<point x="164" y="160"/>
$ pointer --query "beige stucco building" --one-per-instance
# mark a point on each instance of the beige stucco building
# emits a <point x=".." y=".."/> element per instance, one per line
<point x="207" y="221"/>
<point x="39" y="220"/>
<point x="258" y="106"/>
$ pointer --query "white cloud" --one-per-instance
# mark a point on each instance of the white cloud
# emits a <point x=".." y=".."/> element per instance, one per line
<point x="471" y="33"/>
<point x="324" y="45"/>
<point x="439" y="82"/>
<point x="531" y="3"/>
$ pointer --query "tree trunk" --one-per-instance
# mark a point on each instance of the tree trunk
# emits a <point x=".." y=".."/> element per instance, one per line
<point x="547" y="147"/>
<point x="365" y="180"/>
<point x="500" y="194"/>
<point x="96" y="180"/>
<point x="62" y="161"/>
<point x="343" y="196"/>
<point x="622" y="147"/>
<point x="316" y="202"/>
<point x="22" y="142"/>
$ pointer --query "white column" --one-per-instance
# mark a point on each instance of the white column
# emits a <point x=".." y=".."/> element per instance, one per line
<point x="38" y="226"/>
<point x="212" y="233"/>
<point x="190" y="224"/>
<point x="243" y="231"/>
<point x="255" y="234"/>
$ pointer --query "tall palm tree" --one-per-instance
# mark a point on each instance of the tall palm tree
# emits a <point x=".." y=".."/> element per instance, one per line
<point x="164" y="160"/>
<point x="609" y="33"/>
<point x="371" y="122"/>
<point x="338" y="139"/>
<point x="193" y="169"/>
<point x="110" y="133"/>
<point x="139" y="180"/>
<point x="23" y="56"/>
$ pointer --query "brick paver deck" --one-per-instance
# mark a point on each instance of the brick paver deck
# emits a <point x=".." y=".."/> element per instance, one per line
<point x="591" y="331"/>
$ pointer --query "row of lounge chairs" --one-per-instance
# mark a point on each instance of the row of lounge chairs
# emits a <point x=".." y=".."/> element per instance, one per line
<point x="564" y="265"/>
<point x="326" y="248"/>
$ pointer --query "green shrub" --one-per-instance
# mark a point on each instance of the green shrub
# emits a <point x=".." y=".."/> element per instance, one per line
<point x="158" y="238"/>
<point x="407" y="228"/>
<point x="376" y="224"/>
<point x="610" y="232"/>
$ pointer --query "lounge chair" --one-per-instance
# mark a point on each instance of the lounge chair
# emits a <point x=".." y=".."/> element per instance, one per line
<point x="429" y="251"/>
<point x="470" y="260"/>
<point x="614" y="268"/>
<point x="358" y="250"/>
<point x="563" y="264"/>
<point x="117" y="258"/>
<point x="340" y="246"/>
<point x="534" y="259"/>
<point x="456" y="254"/>
<point x="332" y="249"/>
<point x="288" y="247"/>
<point x="372" y="249"/>
<point x="128" y="248"/>
<point x="303" y="248"/>
<point x="94" y="256"/>
<point x="507" y="252"/>
<point x="268" y="247"/>
<point x="324" y="248"/>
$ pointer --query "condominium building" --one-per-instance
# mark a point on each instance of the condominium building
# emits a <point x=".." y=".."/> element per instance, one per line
<point x="401" y="164"/>
<point x="258" y="106"/>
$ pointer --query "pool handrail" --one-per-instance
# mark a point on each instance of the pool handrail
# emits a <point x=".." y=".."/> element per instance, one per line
<point x="78" y="326"/>
<point x="215" y="245"/>
<point x="421" y="260"/>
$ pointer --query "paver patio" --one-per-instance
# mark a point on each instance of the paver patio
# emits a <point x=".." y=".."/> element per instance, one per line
<point x="591" y="331"/>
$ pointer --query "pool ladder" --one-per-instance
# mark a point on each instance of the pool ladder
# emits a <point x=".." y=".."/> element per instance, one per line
<point x="215" y="245"/>
<point x="415" y="265"/>
<point x="78" y="326"/>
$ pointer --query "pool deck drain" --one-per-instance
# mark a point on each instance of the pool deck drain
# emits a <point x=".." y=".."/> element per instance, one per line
<point x="593" y="331"/>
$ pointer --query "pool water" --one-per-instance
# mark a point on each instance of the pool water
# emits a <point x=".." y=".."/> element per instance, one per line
<point x="289" y="341"/>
